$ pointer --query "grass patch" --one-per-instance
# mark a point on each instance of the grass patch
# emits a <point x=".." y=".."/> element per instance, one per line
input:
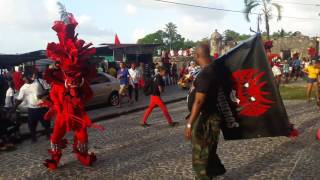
<point x="294" y="92"/>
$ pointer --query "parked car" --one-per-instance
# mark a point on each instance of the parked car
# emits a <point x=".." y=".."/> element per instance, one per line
<point x="105" y="91"/>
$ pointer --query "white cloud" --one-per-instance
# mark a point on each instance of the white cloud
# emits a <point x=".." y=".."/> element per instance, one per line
<point x="138" y="33"/>
<point x="306" y="26"/>
<point x="130" y="9"/>
<point x="87" y="27"/>
<point x="84" y="19"/>
<point x="200" y="14"/>
<point x="26" y="25"/>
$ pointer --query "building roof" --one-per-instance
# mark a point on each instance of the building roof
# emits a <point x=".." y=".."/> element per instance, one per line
<point x="131" y="48"/>
<point x="9" y="60"/>
<point x="121" y="46"/>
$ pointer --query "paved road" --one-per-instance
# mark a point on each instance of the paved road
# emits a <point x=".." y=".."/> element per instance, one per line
<point x="160" y="152"/>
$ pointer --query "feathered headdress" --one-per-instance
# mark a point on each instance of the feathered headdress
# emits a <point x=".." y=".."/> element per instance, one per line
<point x="72" y="53"/>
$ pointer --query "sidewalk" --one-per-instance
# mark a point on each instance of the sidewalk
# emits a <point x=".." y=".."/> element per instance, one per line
<point x="171" y="94"/>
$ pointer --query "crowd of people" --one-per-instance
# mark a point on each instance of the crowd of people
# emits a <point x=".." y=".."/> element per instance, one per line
<point x="19" y="87"/>
<point x="286" y="70"/>
<point x="293" y="69"/>
<point x="27" y="87"/>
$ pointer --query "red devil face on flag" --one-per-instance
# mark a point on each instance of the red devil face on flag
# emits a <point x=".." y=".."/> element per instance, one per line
<point x="248" y="93"/>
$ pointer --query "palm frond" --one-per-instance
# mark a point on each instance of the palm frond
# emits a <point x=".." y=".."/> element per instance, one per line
<point x="249" y="7"/>
<point x="279" y="10"/>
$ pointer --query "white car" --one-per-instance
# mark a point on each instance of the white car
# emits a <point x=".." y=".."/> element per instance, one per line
<point x="105" y="90"/>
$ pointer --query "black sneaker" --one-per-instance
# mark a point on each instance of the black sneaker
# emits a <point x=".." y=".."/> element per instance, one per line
<point x="173" y="124"/>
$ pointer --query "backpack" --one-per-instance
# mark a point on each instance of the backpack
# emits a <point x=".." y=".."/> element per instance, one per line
<point x="148" y="87"/>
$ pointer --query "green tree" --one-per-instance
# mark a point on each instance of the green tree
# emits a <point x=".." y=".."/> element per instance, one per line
<point x="171" y="34"/>
<point x="153" y="38"/>
<point x="188" y="44"/>
<point x="243" y="37"/>
<point x="169" y="38"/>
<point x="230" y="35"/>
<point x="205" y="40"/>
<point x="281" y="33"/>
<point x="265" y="8"/>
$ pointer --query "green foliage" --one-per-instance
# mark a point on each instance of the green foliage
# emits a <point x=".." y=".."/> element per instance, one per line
<point x="153" y="38"/>
<point x="281" y="33"/>
<point x="169" y="38"/>
<point x="205" y="40"/>
<point x="230" y="35"/>
<point x="243" y="37"/>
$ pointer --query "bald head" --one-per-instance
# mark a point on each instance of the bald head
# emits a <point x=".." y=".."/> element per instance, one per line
<point x="203" y="54"/>
<point x="203" y="50"/>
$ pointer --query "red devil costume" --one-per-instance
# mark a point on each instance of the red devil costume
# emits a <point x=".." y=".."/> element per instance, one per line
<point x="69" y="91"/>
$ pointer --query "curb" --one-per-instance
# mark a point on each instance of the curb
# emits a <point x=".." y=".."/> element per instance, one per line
<point x="112" y="115"/>
<point x="125" y="112"/>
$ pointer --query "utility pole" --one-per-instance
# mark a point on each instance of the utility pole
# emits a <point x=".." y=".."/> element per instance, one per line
<point x="258" y="23"/>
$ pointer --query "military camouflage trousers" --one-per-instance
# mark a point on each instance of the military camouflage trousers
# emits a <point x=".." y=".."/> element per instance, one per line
<point x="205" y="137"/>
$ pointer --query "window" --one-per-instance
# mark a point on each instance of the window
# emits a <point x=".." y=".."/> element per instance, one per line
<point x="100" y="79"/>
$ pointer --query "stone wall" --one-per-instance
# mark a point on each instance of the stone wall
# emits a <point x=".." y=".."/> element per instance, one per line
<point x="294" y="44"/>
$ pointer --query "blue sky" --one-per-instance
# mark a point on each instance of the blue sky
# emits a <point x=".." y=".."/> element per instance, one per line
<point x="26" y="24"/>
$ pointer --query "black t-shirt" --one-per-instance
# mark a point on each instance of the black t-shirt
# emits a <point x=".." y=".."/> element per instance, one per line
<point x="207" y="82"/>
<point x="158" y="81"/>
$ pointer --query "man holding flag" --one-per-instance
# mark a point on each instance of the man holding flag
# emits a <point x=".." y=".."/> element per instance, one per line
<point x="203" y="124"/>
<point x="237" y="94"/>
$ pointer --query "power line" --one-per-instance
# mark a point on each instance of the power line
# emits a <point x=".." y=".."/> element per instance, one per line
<point x="198" y="6"/>
<point x="298" y="3"/>
<point x="227" y="10"/>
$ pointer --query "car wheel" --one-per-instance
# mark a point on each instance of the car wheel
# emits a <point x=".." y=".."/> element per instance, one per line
<point x="114" y="99"/>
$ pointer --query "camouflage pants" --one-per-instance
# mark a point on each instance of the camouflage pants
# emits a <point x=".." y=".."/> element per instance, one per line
<point x="205" y="136"/>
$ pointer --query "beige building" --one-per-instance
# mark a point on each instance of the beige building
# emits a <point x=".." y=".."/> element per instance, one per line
<point x="287" y="46"/>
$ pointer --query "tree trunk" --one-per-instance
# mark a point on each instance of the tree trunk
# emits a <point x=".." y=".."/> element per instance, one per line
<point x="266" y="18"/>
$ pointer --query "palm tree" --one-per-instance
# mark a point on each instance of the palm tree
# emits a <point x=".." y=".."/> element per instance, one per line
<point x="171" y="32"/>
<point x="265" y="8"/>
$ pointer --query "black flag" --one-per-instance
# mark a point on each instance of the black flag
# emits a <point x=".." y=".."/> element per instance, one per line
<point x="249" y="100"/>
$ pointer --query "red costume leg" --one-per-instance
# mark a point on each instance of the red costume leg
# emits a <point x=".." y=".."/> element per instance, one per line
<point x="57" y="144"/>
<point x="81" y="152"/>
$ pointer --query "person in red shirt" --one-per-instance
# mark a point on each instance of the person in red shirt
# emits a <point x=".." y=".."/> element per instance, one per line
<point x="17" y="79"/>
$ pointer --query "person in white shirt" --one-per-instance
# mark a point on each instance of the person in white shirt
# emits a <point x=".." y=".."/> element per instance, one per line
<point x="135" y="77"/>
<point x="9" y="101"/>
<point x="180" y="52"/>
<point x="172" y="53"/>
<point x="31" y="93"/>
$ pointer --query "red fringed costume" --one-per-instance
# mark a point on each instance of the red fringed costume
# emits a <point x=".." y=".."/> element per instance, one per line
<point x="69" y="91"/>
